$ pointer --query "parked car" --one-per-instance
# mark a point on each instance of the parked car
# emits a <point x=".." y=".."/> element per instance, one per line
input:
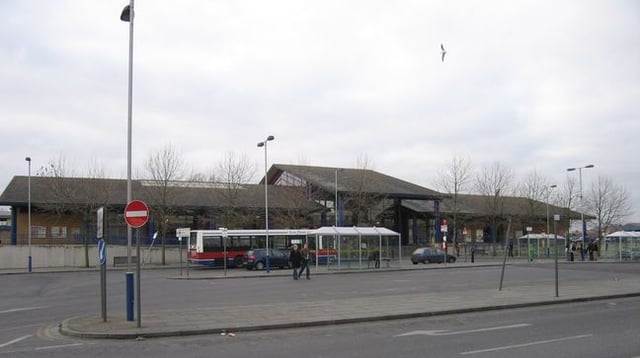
<point x="428" y="255"/>
<point x="257" y="259"/>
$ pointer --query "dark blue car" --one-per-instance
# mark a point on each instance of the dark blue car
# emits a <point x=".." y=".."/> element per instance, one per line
<point x="428" y="255"/>
<point x="257" y="259"/>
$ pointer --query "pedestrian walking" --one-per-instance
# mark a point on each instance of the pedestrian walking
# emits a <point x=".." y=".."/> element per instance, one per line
<point x="305" y="261"/>
<point x="510" y="249"/>
<point x="295" y="257"/>
<point x="375" y="257"/>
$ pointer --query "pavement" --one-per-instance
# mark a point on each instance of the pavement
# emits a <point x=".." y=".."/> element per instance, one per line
<point x="277" y="315"/>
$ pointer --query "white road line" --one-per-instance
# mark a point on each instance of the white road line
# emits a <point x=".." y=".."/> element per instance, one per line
<point x="15" y="340"/>
<point x="58" y="346"/>
<point x="23" y="309"/>
<point x="449" y="333"/>
<point x="526" y="344"/>
<point x="13" y="328"/>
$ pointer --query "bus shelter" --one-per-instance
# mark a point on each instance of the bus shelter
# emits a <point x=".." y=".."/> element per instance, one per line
<point x="625" y="244"/>
<point x="355" y="247"/>
<point x="537" y="244"/>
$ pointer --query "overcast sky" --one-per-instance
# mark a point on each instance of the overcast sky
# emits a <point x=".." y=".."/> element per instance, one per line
<point x="535" y="85"/>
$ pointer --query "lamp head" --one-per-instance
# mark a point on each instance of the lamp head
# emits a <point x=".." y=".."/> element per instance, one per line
<point x="571" y="169"/>
<point x="553" y="186"/>
<point x="126" y="14"/>
<point x="272" y="138"/>
<point x="261" y="144"/>
<point x="589" y="166"/>
<point x="28" y="159"/>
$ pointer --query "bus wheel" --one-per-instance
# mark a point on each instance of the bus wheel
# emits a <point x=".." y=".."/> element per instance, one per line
<point x="260" y="266"/>
<point x="238" y="261"/>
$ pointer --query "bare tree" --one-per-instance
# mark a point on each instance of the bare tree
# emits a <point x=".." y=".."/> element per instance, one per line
<point x="494" y="182"/>
<point x="608" y="203"/>
<point x="361" y="201"/>
<point x="162" y="169"/>
<point x="296" y="212"/>
<point x="80" y="197"/>
<point x="234" y="173"/>
<point x="566" y="197"/>
<point x="454" y="181"/>
<point x="535" y="189"/>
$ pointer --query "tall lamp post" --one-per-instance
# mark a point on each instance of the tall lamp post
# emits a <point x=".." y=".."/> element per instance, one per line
<point x="548" y="191"/>
<point x="584" y="225"/>
<point x="335" y="202"/>
<point x="128" y="15"/>
<point x="266" y="197"/>
<point x="29" y="262"/>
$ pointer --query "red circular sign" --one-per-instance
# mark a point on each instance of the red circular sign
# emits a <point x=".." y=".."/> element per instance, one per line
<point x="136" y="213"/>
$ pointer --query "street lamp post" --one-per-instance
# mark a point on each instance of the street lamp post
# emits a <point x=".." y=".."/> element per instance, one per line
<point x="335" y="202"/>
<point x="266" y="197"/>
<point x="29" y="260"/>
<point x="548" y="191"/>
<point x="128" y="15"/>
<point x="584" y="225"/>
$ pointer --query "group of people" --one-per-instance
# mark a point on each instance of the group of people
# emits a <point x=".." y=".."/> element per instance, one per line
<point x="591" y="250"/>
<point x="300" y="261"/>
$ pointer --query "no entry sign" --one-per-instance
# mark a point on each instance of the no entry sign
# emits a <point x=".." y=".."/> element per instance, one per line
<point x="136" y="213"/>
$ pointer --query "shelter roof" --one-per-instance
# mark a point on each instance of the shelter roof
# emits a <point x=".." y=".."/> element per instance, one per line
<point x="541" y="236"/>
<point x="354" y="180"/>
<point x="619" y="234"/>
<point x="354" y="231"/>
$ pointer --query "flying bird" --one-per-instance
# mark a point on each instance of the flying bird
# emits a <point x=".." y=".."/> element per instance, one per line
<point x="444" y="52"/>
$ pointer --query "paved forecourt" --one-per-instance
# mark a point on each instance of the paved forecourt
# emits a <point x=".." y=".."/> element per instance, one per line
<point x="278" y="315"/>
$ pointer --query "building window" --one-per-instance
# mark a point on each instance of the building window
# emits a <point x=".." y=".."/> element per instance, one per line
<point x="59" y="232"/>
<point x="39" y="232"/>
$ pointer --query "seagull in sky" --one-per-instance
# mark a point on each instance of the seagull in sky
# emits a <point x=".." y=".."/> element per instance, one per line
<point x="444" y="52"/>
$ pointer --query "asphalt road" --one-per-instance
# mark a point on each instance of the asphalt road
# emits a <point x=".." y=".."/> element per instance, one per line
<point x="31" y="306"/>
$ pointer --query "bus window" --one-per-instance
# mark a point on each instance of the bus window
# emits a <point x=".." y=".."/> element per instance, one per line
<point x="211" y="243"/>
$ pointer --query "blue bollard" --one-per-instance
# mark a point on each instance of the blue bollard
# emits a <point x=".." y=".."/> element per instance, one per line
<point x="130" y="296"/>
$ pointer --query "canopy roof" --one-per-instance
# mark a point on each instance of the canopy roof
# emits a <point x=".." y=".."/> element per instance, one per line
<point x="354" y="231"/>
<point x="618" y="234"/>
<point x="541" y="236"/>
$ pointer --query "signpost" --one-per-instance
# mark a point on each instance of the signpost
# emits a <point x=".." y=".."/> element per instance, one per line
<point x="136" y="214"/>
<point x="102" y="259"/>
<point x="444" y="229"/>
<point x="183" y="233"/>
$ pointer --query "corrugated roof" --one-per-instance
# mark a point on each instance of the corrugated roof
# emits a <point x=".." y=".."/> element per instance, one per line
<point x="355" y="180"/>
<point x="49" y="190"/>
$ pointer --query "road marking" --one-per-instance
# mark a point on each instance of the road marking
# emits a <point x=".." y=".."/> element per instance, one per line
<point x="15" y="340"/>
<point x="449" y="333"/>
<point x="58" y="346"/>
<point x="23" y="309"/>
<point x="526" y="344"/>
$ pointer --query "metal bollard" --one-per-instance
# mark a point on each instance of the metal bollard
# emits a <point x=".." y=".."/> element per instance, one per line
<point x="130" y="295"/>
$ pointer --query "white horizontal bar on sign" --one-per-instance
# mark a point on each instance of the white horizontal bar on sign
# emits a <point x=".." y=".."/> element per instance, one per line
<point x="135" y="214"/>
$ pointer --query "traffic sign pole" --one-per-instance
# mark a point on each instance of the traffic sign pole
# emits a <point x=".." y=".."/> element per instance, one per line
<point x="136" y="214"/>
<point x="102" y="258"/>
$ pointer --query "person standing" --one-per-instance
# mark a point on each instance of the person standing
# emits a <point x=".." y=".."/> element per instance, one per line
<point x="295" y="257"/>
<point x="305" y="261"/>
